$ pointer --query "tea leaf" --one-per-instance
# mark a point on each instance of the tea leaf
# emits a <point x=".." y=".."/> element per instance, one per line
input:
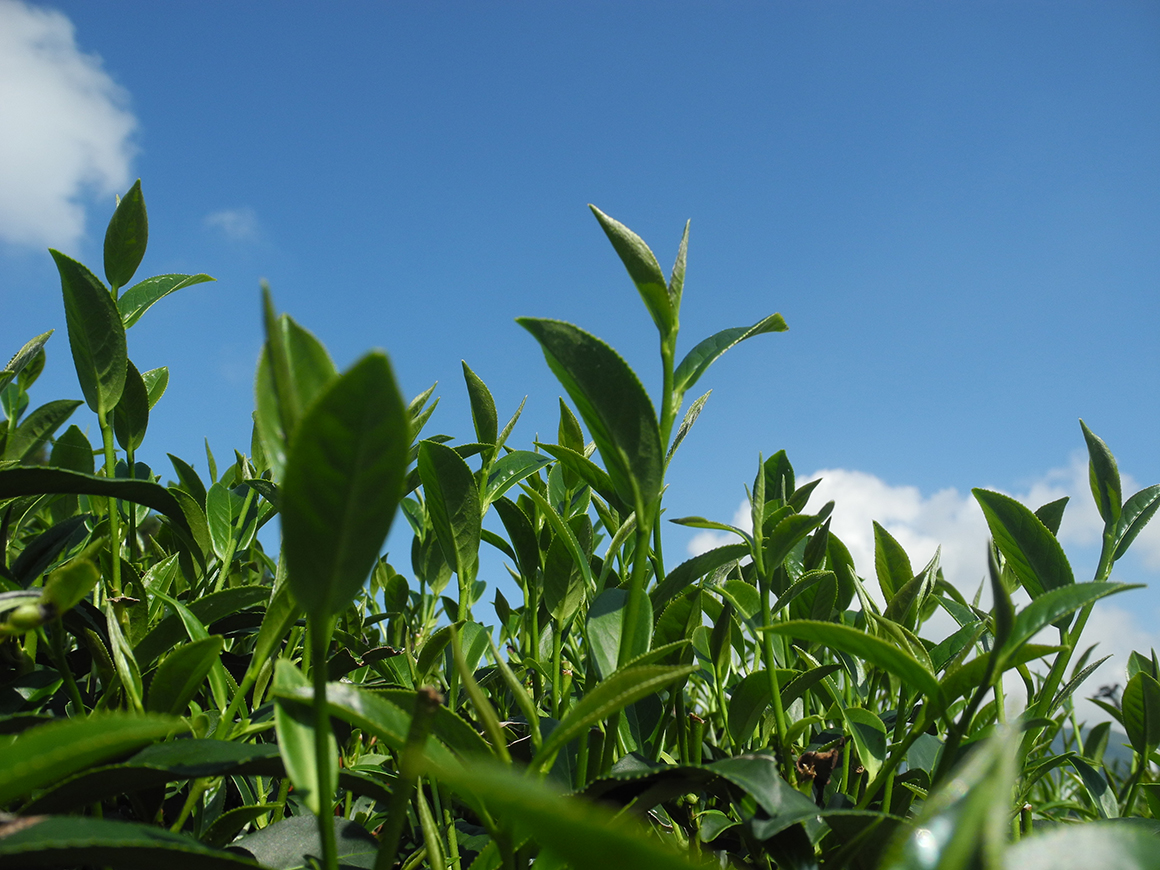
<point x="1104" y="477"/>
<point x="619" y="690"/>
<point x="1102" y="795"/>
<point x="614" y="405"/>
<point x="509" y="470"/>
<point x="48" y="753"/>
<point x="35" y="430"/>
<point x="453" y="506"/>
<point x="1136" y="513"/>
<point x="31" y="350"/>
<point x="344" y="479"/>
<point x="1140" y="706"/>
<point x="482" y="407"/>
<point x="865" y="646"/>
<point x="1051" y="606"/>
<point x="891" y="563"/>
<point x="179" y="677"/>
<point x="645" y="272"/>
<point x="142" y="296"/>
<point x="1031" y="550"/>
<point x="73" y="841"/>
<point x="294" y="724"/>
<point x="126" y="237"/>
<point x="95" y="334"/>
<point x="698" y="360"/>
<point x="132" y="413"/>
<point x="869" y="736"/>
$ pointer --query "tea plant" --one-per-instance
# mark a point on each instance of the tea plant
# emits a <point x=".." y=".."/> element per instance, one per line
<point x="171" y="693"/>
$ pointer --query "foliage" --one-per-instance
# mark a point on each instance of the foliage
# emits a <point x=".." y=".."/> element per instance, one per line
<point x="172" y="692"/>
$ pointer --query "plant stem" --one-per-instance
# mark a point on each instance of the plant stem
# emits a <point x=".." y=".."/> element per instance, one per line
<point x="114" y="516"/>
<point x="320" y="631"/>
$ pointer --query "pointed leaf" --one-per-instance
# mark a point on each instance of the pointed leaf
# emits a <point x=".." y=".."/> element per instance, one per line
<point x="126" y="237"/>
<point x="1032" y="552"/>
<point x="1104" y="477"/>
<point x="891" y="563"/>
<point x="865" y="646"/>
<point x="141" y="296"/>
<point x="344" y="479"/>
<point x="698" y="360"/>
<point x="453" y="506"/>
<point x="35" y="429"/>
<point x="1140" y="706"/>
<point x="644" y="270"/>
<point x="31" y="350"/>
<point x="132" y="414"/>
<point x="869" y="735"/>
<point x="614" y="405"/>
<point x="1051" y="607"/>
<point x="45" y="754"/>
<point x="483" y="413"/>
<point x="1136" y="513"/>
<point x="509" y="470"/>
<point x="95" y="334"/>
<point x="179" y="677"/>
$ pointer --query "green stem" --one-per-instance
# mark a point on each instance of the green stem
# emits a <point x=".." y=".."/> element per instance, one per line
<point x="320" y="631"/>
<point x="556" y="677"/>
<point x="779" y="723"/>
<point x="632" y="610"/>
<point x="427" y="701"/>
<point x="56" y="644"/>
<point x="114" y="516"/>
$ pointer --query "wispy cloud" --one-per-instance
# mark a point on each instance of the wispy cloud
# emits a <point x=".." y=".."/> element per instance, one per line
<point x="66" y="129"/>
<point x="239" y="224"/>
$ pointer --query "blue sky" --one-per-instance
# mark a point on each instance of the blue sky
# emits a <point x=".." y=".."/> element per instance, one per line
<point x="956" y="207"/>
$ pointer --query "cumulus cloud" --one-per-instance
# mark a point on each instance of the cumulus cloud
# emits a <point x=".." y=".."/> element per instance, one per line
<point x="66" y="126"/>
<point x="953" y="520"/>
<point x="239" y="224"/>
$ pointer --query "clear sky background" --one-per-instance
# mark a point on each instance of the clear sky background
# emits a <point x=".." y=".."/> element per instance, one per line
<point x="956" y="207"/>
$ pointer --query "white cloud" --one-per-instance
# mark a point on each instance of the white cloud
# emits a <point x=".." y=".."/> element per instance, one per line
<point x="239" y="224"/>
<point x="66" y="129"/>
<point x="953" y="520"/>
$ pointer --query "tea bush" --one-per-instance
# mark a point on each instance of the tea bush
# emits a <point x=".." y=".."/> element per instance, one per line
<point x="172" y="694"/>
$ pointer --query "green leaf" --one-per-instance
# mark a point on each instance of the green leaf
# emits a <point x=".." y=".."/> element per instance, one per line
<point x="95" y="334"/>
<point x="126" y="237"/>
<point x="1102" y="795"/>
<point x="1051" y="607"/>
<point x="691" y="415"/>
<point x="41" y="756"/>
<point x="294" y="844"/>
<point x="483" y="413"/>
<point x="865" y="646"/>
<point x="1031" y="550"/>
<point x="564" y="582"/>
<point x="223" y="508"/>
<point x="73" y="841"/>
<point x="869" y="735"/>
<point x="645" y="272"/>
<point x="35" y="429"/>
<point x="453" y="506"/>
<point x="1051" y="514"/>
<point x="132" y="413"/>
<point x="606" y="625"/>
<point x="1135" y="514"/>
<point x="624" y="687"/>
<point x="49" y="481"/>
<point x="1140" y="706"/>
<point x="156" y="380"/>
<point x="207" y="609"/>
<point x="509" y="470"/>
<point x="294" y="724"/>
<point x="1094" y="846"/>
<point x="1104" y="477"/>
<point x="141" y="296"/>
<point x="690" y="571"/>
<point x="344" y="479"/>
<point x="698" y="360"/>
<point x="32" y="350"/>
<point x="588" y="471"/>
<point x="68" y="584"/>
<point x="891" y="563"/>
<point x="181" y="674"/>
<point x="571" y="829"/>
<point x="614" y="405"/>
<point x="293" y="370"/>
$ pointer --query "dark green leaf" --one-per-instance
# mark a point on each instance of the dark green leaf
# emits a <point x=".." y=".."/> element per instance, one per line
<point x="1104" y="477"/>
<point x="207" y="609"/>
<point x="73" y="841"/>
<point x="614" y="405"/>
<point x="132" y="414"/>
<point x="1059" y="603"/>
<point x="35" y="430"/>
<point x="294" y="844"/>
<point x="1102" y="795"/>
<point x="891" y="563"/>
<point x="644" y="270"/>
<point x="95" y="334"/>
<point x="1030" y="549"/>
<point x="509" y="470"/>
<point x="126" y="237"/>
<point x="1136" y="513"/>
<point x="181" y="674"/>
<point x="698" y="360"/>
<point x="43" y="755"/>
<point x="141" y="296"/>
<point x="482" y="407"/>
<point x="453" y="506"/>
<point x="1140" y="706"/>
<point x="344" y="479"/>
<point x="33" y="349"/>
<point x="1051" y="514"/>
